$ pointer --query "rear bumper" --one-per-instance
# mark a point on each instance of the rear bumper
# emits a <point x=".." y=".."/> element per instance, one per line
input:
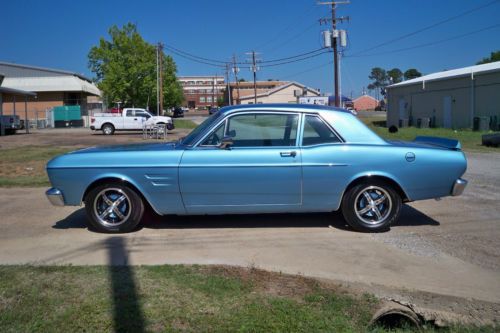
<point x="55" y="196"/>
<point x="458" y="187"/>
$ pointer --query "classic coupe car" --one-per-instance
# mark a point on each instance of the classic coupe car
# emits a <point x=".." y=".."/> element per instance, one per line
<point x="260" y="159"/>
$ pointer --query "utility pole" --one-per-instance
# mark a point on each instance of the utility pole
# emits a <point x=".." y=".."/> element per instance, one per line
<point x="228" y="86"/>
<point x="335" y="33"/>
<point x="160" y="76"/>
<point x="235" y="71"/>
<point x="213" y="89"/>
<point x="254" y="70"/>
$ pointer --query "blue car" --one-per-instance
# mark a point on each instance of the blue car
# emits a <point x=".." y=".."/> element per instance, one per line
<point x="260" y="159"/>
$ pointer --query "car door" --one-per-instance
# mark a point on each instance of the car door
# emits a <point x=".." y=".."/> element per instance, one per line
<point x="130" y="120"/>
<point x="325" y="165"/>
<point x="260" y="172"/>
<point x="140" y="118"/>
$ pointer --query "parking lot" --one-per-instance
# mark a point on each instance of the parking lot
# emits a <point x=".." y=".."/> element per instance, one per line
<point x="448" y="247"/>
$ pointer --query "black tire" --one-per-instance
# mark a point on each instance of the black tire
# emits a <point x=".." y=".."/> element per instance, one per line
<point x="170" y="126"/>
<point x="131" y="208"/>
<point x="108" y="129"/>
<point x="368" y="216"/>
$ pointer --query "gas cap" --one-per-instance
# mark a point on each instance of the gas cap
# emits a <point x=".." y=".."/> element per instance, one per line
<point x="410" y="157"/>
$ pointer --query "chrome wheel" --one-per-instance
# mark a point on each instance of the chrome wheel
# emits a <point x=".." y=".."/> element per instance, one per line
<point x="373" y="205"/>
<point x="112" y="207"/>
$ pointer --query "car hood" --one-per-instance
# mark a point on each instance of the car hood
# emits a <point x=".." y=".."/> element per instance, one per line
<point x="121" y="156"/>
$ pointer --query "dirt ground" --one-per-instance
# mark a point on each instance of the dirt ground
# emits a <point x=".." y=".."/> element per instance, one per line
<point x="441" y="255"/>
<point x="78" y="137"/>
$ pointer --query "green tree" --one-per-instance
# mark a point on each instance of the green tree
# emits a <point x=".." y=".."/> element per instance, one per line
<point x="494" y="56"/>
<point x="395" y="75"/>
<point x="125" y="69"/>
<point x="411" y="74"/>
<point x="379" y="77"/>
<point x="380" y="80"/>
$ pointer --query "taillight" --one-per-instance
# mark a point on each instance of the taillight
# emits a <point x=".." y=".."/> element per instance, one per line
<point x="92" y="120"/>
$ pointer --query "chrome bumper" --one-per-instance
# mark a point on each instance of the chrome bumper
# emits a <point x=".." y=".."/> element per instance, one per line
<point x="458" y="187"/>
<point x="55" y="197"/>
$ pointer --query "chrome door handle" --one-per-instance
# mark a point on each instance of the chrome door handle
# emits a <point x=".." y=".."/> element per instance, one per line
<point x="288" y="153"/>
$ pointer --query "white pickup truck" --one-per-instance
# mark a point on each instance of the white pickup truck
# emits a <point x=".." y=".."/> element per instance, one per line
<point x="130" y="119"/>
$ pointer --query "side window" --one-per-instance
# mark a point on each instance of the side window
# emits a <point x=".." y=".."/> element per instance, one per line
<point x="263" y="130"/>
<point x="317" y="132"/>
<point x="140" y="113"/>
<point x="130" y="113"/>
<point x="215" y="138"/>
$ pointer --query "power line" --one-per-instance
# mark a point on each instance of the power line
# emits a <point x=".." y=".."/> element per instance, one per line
<point x="427" y="44"/>
<point x="269" y="63"/>
<point x="427" y="27"/>
<point x="176" y="50"/>
<point x="287" y="28"/>
<point x="292" y="38"/>
<point x="309" y="70"/>
<point x="221" y="62"/>
<point x="297" y="60"/>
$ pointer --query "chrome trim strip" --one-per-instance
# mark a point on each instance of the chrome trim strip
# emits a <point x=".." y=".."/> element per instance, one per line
<point x="235" y="113"/>
<point x="458" y="187"/>
<point x="55" y="196"/>
<point x="280" y="165"/>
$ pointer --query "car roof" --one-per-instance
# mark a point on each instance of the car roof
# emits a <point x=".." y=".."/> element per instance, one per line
<point x="281" y="106"/>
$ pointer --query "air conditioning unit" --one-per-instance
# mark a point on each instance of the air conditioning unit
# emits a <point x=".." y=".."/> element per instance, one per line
<point x="403" y="122"/>
<point x="423" y="122"/>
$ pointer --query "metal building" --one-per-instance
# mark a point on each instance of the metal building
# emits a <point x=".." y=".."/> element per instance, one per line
<point x="53" y="88"/>
<point x="466" y="97"/>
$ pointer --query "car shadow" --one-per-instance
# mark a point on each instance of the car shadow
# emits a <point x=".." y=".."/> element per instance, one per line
<point x="409" y="217"/>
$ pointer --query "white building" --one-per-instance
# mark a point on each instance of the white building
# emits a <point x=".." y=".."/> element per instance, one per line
<point x="458" y="98"/>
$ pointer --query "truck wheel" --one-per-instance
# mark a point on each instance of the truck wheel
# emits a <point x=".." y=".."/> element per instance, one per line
<point x="170" y="126"/>
<point x="113" y="208"/>
<point x="371" y="206"/>
<point x="108" y="129"/>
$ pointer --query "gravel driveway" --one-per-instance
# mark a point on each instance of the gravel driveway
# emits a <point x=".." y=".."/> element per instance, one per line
<point x="448" y="247"/>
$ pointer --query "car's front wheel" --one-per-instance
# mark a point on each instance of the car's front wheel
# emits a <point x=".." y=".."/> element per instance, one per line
<point x="113" y="208"/>
<point x="371" y="206"/>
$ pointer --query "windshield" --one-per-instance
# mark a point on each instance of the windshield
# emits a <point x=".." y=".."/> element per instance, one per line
<point x="190" y="139"/>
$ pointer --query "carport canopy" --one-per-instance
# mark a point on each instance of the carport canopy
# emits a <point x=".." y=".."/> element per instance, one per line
<point x="15" y="92"/>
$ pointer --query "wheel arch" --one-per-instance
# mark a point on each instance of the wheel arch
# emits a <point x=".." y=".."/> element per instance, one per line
<point x="119" y="180"/>
<point x="107" y="123"/>
<point x="380" y="177"/>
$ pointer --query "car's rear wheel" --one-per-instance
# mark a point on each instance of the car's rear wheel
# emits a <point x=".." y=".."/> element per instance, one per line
<point x="114" y="208"/>
<point x="371" y="206"/>
<point x="108" y="129"/>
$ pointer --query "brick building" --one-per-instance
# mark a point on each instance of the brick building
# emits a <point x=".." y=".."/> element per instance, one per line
<point x="201" y="92"/>
<point x="365" y="102"/>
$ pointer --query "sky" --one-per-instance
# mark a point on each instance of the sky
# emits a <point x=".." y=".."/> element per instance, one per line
<point x="59" y="34"/>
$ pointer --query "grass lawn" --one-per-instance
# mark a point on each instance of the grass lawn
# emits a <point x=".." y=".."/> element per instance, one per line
<point x="470" y="140"/>
<point x="184" y="123"/>
<point x="25" y="166"/>
<point x="175" y="298"/>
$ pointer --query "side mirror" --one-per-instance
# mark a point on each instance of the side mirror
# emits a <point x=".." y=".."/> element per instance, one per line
<point x="226" y="143"/>
<point x="231" y="133"/>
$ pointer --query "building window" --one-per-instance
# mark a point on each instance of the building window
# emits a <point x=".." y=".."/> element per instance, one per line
<point x="209" y="99"/>
<point x="202" y="99"/>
